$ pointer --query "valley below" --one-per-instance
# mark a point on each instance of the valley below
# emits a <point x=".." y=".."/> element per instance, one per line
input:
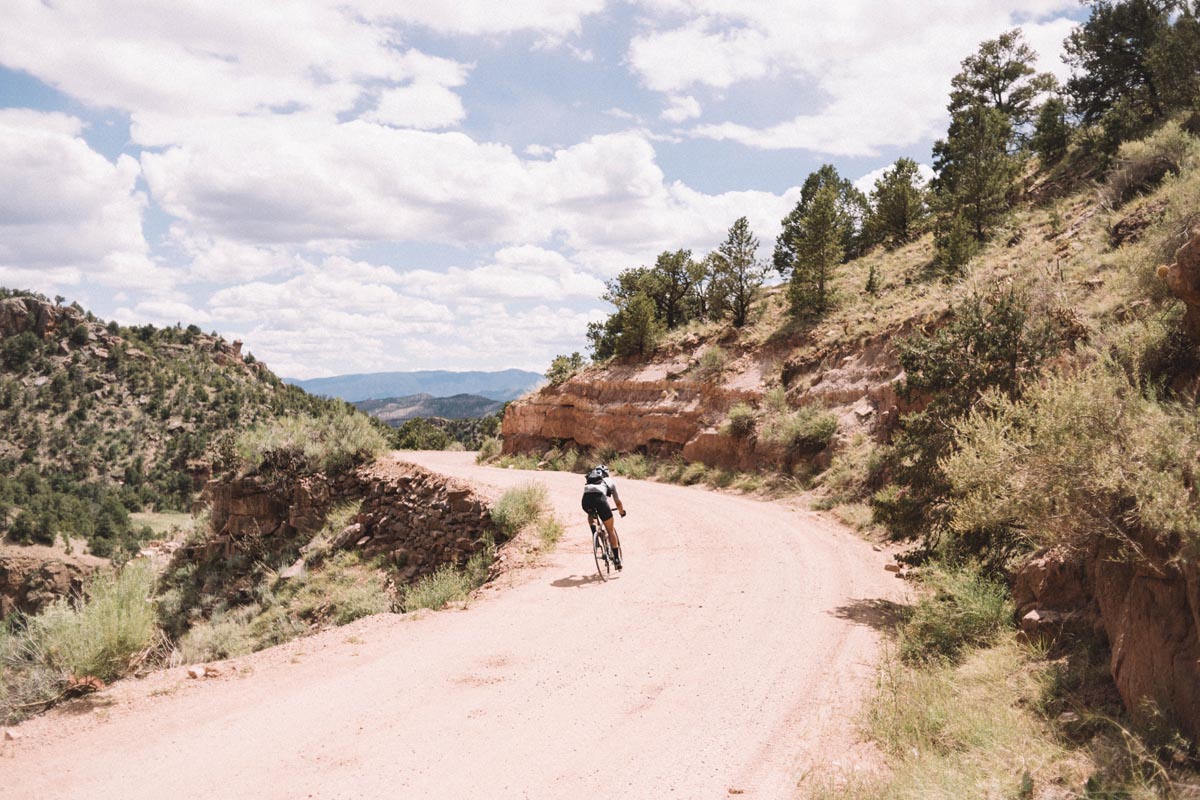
<point x="730" y="657"/>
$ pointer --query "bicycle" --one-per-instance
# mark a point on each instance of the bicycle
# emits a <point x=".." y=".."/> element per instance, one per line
<point x="601" y="549"/>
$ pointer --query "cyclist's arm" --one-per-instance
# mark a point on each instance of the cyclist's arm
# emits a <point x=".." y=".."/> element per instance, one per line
<point x="617" y="498"/>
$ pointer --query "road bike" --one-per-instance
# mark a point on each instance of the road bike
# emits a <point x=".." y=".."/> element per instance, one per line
<point x="601" y="549"/>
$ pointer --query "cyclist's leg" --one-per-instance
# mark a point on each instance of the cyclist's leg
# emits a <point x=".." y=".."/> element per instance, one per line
<point x="611" y="527"/>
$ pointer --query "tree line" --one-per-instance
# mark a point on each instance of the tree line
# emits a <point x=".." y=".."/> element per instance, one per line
<point x="1134" y="64"/>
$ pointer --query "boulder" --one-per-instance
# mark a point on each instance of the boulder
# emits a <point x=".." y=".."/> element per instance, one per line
<point x="1183" y="279"/>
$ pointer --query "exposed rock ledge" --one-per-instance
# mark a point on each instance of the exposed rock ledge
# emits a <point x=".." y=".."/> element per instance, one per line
<point x="1145" y="598"/>
<point x="661" y="408"/>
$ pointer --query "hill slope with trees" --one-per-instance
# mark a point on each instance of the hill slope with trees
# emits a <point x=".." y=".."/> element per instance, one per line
<point x="100" y="420"/>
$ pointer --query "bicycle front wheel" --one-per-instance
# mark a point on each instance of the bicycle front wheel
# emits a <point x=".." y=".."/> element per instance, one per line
<point x="600" y="553"/>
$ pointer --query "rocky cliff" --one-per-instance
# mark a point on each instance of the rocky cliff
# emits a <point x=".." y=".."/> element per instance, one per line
<point x="674" y="405"/>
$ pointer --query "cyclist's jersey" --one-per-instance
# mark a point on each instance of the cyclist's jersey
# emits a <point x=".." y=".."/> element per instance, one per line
<point x="607" y="487"/>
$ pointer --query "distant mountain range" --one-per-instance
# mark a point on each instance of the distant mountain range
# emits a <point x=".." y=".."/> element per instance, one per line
<point x="505" y="385"/>
<point x="395" y="410"/>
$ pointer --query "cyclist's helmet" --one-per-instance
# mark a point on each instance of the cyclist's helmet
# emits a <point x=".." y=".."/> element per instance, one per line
<point x="603" y="470"/>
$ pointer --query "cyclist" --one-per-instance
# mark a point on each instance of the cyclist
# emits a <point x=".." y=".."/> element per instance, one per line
<point x="598" y="487"/>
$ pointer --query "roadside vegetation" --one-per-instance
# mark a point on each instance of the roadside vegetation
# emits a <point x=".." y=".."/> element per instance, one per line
<point x="77" y="645"/>
<point x="518" y="509"/>
<point x="1049" y="389"/>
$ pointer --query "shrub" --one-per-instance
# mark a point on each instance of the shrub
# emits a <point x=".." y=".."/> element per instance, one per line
<point x="742" y="421"/>
<point x="489" y="450"/>
<point x="695" y="473"/>
<point x="549" y="530"/>
<point x="101" y="635"/>
<point x="562" y="368"/>
<point x="436" y="591"/>
<point x="992" y="343"/>
<point x="1141" y="165"/>
<point x="1080" y="457"/>
<point x="964" y="610"/>
<point x="519" y="507"/>
<point x="334" y="441"/>
<point x="634" y="466"/>
<point x="807" y="430"/>
<point x="711" y="364"/>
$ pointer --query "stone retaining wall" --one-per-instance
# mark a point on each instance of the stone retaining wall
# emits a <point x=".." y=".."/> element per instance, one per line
<point x="415" y="519"/>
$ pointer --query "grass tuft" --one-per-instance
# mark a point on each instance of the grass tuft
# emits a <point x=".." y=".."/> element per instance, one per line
<point x="519" y="507"/>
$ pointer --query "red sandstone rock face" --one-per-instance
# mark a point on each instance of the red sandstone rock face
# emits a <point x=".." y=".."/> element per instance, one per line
<point x="1183" y="278"/>
<point x="1149" y="608"/>
<point x="659" y="409"/>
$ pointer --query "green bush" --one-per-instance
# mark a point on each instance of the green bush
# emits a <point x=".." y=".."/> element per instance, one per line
<point x="100" y="636"/>
<point x="695" y="472"/>
<point x="334" y="441"/>
<point x="742" y="421"/>
<point x="712" y="363"/>
<point x="519" y="507"/>
<point x="489" y="450"/>
<point x="634" y="467"/>
<point x="446" y="585"/>
<point x="806" y="430"/>
<point x="1079" y="457"/>
<point x="562" y="368"/>
<point x="1142" y="165"/>
<point x="964" y="610"/>
<point x="995" y="343"/>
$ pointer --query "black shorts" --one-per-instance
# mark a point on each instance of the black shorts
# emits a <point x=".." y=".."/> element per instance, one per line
<point x="596" y="503"/>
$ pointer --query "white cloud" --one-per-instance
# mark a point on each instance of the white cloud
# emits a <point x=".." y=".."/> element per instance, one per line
<point x="517" y="273"/>
<point x="200" y="58"/>
<point x="427" y="106"/>
<point x="681" y="108"/>
<point x="477" y="17"/>
<point x="66" y="212"/>
<point x="866" y="183"/>
<point x="880" y="72"/>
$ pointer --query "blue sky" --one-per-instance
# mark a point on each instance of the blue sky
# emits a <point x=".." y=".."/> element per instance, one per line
<point x="364" y="185"/>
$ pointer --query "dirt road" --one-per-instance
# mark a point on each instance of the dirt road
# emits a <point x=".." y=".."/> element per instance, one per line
<point x="729" y="657"/>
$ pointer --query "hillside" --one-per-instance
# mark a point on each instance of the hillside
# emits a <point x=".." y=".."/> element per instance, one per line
<point x="1027" y="420"/>
<point x="502" y="385"/>
<point x="396" y="410"/>
<point x="100" y="419"/>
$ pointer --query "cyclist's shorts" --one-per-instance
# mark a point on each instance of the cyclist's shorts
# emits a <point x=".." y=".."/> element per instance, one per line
<point x="596" y="503"/>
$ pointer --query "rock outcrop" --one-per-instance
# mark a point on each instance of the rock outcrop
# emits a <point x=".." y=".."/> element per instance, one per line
<point x="28" y="314"/>
<point x="669" y="407"/>
<point x="415" y="519"/>
<point x="1145" y="599"/>
<point x="31" y="578"/>
<point x="1183" y="278"/>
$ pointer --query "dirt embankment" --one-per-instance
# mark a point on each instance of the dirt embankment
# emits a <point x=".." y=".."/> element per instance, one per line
<point x="671" y="406"/>
<point x="730" y="656"/>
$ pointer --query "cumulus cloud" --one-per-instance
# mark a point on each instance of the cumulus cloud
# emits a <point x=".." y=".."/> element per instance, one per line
<point x="198" y="58"/>
<point x="881" y="72"/>
<point x="479" y="17"/>
<point x="66" y="212"/>
<point x="681" y="108"/>
<point x="517" y="273"/>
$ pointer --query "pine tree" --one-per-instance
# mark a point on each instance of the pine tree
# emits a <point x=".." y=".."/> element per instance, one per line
<point x="975" y="171"/>
<point x="898" y="205"/>
<point x="819" y="249"/>
<point x="737" y="274"/>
